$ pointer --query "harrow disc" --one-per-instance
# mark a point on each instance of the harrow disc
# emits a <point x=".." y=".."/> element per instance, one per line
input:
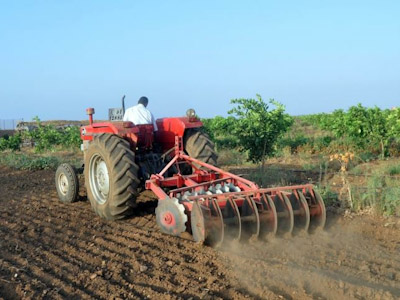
<point x="197" y="223"/>
<point x="284" y="212"/>
<point x="170" y="216"/>
<point x="301" y="211"/>
<point x="250" y="218"/>
<point x="317" y="210"/>
<point x="268" y="217"/>
<point x="207" y="223"/>
<point x="232" y="221"/>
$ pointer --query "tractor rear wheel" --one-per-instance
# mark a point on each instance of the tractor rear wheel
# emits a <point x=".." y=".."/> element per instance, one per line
<point x="111" y="176"/>
<point x="198" y="145"/>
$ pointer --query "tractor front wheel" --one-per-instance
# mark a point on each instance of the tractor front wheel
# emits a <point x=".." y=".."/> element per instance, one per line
<point x="111" y="176"/>
<point x="67" y="183"/>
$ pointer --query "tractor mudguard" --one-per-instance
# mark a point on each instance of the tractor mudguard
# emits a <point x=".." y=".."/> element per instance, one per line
<point x="124" y="129"/>
<point x="169" y="128"/>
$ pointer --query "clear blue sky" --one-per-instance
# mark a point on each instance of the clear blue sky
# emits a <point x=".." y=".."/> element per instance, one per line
<point x="59" y="57"/>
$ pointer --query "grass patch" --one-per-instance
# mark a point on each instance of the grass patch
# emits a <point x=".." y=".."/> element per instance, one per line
<point x="359" y="170"/>
<point x="367" y="156"/>
<point x="311" y="167"/>
<point x="231" y="157"/>
<point x="394" y="170"/>
<point x="27" y="162"/>
<point x="382" y="193"/>
<point x="30" y="161"/>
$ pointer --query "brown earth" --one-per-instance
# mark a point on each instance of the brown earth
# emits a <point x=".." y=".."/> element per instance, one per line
<point x="50" y="250"/>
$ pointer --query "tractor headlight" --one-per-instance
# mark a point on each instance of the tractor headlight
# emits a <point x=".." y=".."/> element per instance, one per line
<point x="190" y="113"/>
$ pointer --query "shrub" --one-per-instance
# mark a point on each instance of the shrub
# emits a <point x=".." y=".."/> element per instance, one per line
<point x="71" y="137"/>
<point x="10" y="142"/>
<point x="292" y="142"/>
<point x="382" y="193"/>
<point x="48" y="137"/>
<point x="220" y="130"/>
<point x="321" y="143"/>
<point x="331" y="198"/>
<point x="367" y="156"/>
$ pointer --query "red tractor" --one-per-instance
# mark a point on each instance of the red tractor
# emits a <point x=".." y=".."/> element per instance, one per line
<point x="179" y="164"/>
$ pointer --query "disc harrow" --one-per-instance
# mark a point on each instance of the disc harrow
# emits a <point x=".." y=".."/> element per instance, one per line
<point x="221" y="206"/>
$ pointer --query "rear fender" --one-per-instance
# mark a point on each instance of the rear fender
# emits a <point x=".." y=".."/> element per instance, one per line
<point x="169" y="128"/>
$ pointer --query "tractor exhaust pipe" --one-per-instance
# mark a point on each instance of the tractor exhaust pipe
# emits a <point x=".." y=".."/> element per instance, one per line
<point x="90" y="113"/>
<point x="123" y="104"/>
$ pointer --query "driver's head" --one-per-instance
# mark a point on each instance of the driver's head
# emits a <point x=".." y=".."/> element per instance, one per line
<point x="143" y="100"/>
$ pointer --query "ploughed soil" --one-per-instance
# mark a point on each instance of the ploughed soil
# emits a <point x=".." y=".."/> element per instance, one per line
<point x="51" y="250"/>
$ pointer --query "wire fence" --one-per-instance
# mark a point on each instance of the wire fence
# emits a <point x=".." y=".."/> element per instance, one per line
<point x="9" y="124"/>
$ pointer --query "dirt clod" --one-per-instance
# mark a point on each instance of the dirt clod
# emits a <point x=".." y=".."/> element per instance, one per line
<point x="143" y="268"/>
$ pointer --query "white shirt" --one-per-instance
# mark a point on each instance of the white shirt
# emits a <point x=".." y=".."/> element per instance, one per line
<point x="139" y="114"/>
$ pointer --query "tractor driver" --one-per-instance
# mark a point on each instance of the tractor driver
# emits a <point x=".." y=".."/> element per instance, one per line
<point x="139" y="114"/>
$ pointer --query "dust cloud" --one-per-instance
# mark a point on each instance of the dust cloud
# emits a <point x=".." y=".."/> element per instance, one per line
<point x="348" y="260"/>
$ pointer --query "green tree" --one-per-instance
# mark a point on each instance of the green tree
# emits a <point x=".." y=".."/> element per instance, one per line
<point x="220" y="130"/>
<point x="258" y="127"/>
